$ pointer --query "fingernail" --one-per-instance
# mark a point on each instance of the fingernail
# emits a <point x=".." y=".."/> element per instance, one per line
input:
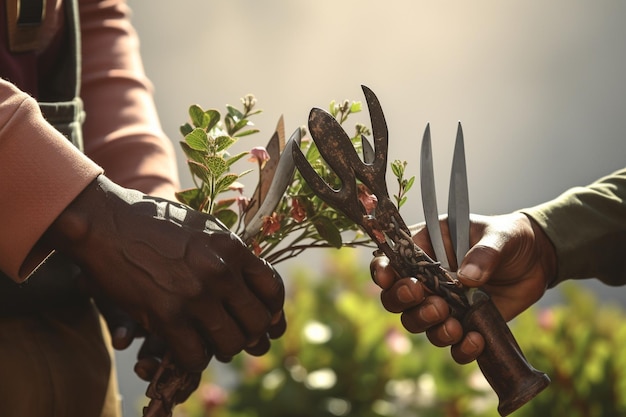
<point x="473" y="347"/>
<point x="276" y="317"/>
<point x="405" y="294"/>
<point x="470" y="271"/>
<point x="429" y="314"/>
<point x="445" y="332"/>
<point x="120" y="333"/>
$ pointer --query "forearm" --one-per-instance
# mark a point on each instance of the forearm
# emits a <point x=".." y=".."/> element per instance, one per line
<point x="40" y="174"/>
<point x="587" y="226"/>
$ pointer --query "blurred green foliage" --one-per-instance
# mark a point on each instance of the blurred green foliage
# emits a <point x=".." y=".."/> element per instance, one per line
<point x="343" y="355"/>
<point x="582" y="346"/>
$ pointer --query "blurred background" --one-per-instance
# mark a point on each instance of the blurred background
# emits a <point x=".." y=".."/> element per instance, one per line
<point x="538" y="86"/>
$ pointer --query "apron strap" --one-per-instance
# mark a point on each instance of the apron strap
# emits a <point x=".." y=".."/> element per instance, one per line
<point x="60" y="98"/>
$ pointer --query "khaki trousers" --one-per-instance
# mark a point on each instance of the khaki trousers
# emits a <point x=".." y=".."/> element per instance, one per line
<point x="57" y="363"/>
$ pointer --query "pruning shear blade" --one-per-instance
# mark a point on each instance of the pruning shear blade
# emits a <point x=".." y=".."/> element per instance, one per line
<point x="458" y="200"/>
<point x="282" y="178"/>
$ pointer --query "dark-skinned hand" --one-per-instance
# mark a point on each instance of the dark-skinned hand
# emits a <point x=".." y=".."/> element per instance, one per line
<point x="511" y="258"/>
<point x="175" y="271"/>
<point x="152" y="352"/>
<point x="124" y="330"/>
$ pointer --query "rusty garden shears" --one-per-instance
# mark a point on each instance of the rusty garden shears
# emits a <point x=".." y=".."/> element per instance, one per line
<point x="513" y="379"/>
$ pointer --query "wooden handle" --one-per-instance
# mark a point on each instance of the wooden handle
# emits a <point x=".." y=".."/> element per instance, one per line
<point x="502" y="362"/>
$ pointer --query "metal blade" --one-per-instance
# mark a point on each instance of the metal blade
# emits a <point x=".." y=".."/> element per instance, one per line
<point x="274" y="148"/>
<point x="282" y="177"/>
<point x="429" y="199"/>
<point x="458" y="200"/>
<point x="368" y="151"/>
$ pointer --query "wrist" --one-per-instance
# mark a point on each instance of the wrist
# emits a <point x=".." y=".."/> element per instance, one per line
<point x="546" y="253"/>
<point x="91" y="208"/>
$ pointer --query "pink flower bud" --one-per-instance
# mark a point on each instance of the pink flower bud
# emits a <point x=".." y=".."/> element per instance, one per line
<point x="212" y="396"/>
<point x="259" y="154"/>
<point x="547" y="319"/>
<point x="397" y="342"/>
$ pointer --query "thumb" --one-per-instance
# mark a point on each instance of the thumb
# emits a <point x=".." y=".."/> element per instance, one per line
<point x="478" y="265"/>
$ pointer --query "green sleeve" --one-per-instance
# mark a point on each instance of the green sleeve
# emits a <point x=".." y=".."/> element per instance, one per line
<point x="587" y="226"/>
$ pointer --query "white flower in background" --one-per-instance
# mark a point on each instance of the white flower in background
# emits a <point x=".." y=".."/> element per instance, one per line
<point x="488" y="400"/>
<point x="324" y="378"/>
<point x="273" y="379"/>
<point x="317" y="333"/>
<point x="426" y="390"/>
<point x="338" y="406"/>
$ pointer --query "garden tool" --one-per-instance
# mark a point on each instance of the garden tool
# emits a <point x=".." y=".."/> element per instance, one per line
<point x="273" y="182"/>
<point x="502" y="362"/>
<point x="274" y="148"/>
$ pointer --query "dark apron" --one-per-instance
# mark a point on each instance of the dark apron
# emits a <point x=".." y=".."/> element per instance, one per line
<point x="55" y="283"/>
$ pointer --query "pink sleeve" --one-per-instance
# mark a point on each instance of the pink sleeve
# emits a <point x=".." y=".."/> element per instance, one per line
<point x="40" y="174"/>
<point x="122" y="132"/>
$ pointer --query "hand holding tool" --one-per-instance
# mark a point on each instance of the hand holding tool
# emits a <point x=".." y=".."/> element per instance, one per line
<point x="502" y="362"/>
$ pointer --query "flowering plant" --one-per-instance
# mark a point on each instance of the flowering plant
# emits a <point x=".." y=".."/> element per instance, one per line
<point x="276" y="223"/>
<point x="281" y="219"/>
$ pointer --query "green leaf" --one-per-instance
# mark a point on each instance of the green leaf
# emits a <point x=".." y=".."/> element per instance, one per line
<point x="213" y="118"/>
<point x="396" y="168"/>
<point x="409" y="184"/>
<point x="191" y="197"/>
<point x="236" y="158"/>
<point x="241" y="124"/>
<point x="224" y="182"/>
<point x="226" y="216"/>
<point x="252" y="113"/>
<point x="200" y="171"/>
<point x="198" y="140"/>
<point x="186" y="129"/>
<point x="356" y="107"/>
<point x="224" y="203"/>
<point x="224" y="142"/>
<point x="247" y="133"/>
<point x="234" y="113"/>
<point x="312" y="153"/>
<point x="328" y="231"/>
<point x="246" y="172"/>
<point x="229" y="122"/>
<point x="216" y="165"/>
<point x="192" y="154"/>
<point x="197" y="116"/>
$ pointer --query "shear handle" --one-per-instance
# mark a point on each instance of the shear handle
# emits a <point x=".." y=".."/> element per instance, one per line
<point x="502" y="362"/>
